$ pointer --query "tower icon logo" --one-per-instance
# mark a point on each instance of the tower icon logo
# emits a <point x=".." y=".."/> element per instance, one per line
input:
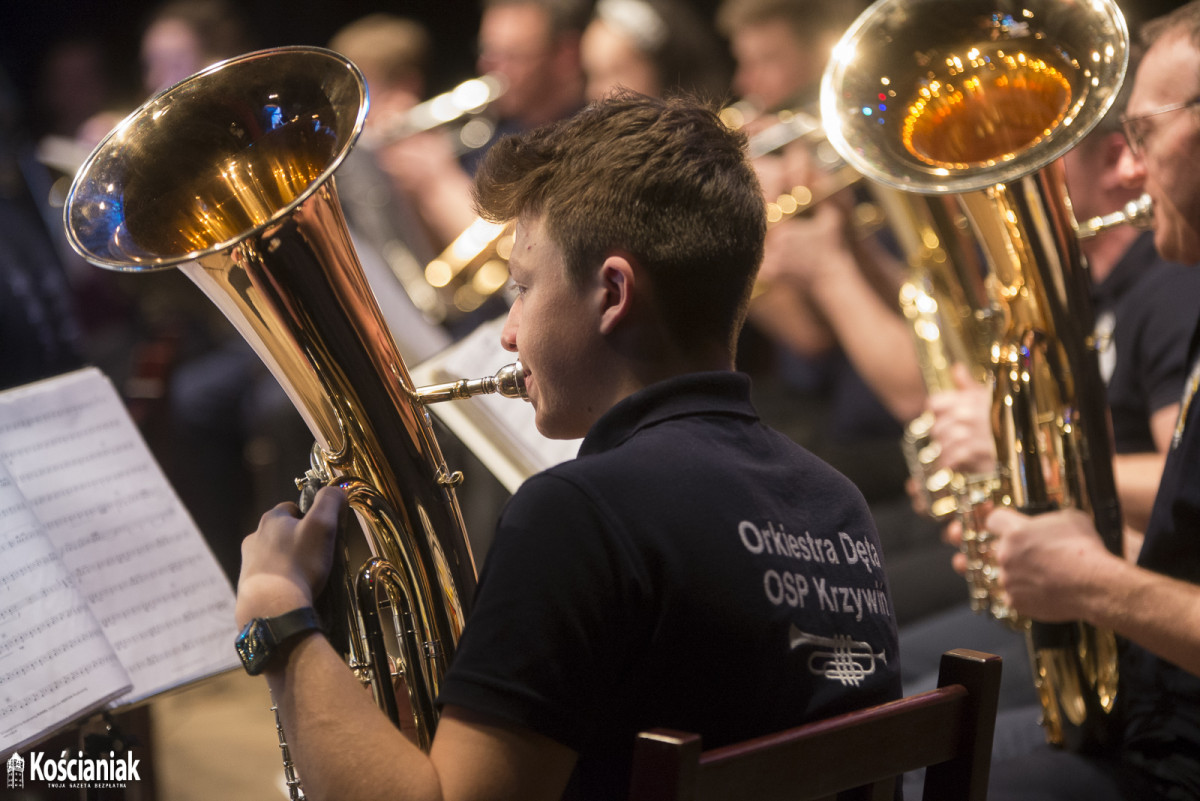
<point x="16" y="772"/>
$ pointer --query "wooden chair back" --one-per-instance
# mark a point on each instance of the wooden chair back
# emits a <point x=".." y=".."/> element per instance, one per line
<point x="858" y="756"/>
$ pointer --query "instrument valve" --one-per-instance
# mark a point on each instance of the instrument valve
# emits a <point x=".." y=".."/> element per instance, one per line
<point x="445" y="478"/>
<point x="361" y="670"/>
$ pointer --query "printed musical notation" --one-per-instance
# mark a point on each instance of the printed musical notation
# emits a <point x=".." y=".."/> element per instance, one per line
<point x="55" y="662"/>
<point x="108" y="592"/>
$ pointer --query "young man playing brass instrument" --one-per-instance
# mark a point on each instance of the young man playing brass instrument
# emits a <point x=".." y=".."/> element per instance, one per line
<point x="691" y="568"/>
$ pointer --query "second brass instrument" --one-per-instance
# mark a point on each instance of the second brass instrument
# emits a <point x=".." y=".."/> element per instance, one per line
<point x="977" y="99"/>
<point x="464" y="106"/>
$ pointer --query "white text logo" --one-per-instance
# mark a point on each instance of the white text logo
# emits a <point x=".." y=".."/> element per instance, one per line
<point x="80" y="771"/>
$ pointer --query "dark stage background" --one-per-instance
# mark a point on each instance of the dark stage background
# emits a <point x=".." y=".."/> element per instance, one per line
<point x="28" y="28"/>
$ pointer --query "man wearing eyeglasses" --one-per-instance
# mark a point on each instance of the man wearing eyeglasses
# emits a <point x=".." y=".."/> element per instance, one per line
<point x="1053" y="567"/>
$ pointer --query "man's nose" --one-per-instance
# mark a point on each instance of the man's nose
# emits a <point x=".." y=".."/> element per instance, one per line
<point x="1131" y="169"/>
<point x="508" y="335"/>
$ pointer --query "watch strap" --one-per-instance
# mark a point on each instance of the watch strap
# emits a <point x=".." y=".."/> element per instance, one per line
<point x="260" y="638"/>
<point x="289" y="624"/>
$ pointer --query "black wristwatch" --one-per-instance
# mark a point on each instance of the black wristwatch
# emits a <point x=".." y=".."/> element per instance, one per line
<point x="261" y="636"/>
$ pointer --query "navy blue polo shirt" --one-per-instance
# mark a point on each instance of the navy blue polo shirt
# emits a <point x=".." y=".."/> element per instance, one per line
<point x="1159" y="701"/>
<point x="692" y="569"/>
<point x="1145" y="312"/>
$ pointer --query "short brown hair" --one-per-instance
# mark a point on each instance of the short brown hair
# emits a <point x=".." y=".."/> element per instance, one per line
<point x="664" y="182"/>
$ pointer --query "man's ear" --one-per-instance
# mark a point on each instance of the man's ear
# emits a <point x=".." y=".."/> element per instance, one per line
<point x="617" y="281"/>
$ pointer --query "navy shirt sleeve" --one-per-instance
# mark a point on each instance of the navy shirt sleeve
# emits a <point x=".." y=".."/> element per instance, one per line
<point x="552" y="576"/>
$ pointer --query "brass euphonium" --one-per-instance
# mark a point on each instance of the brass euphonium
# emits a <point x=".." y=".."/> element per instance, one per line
<point x="978" y="99"/>
<point x="945" y="300"/>
<point x="229" y="176"/>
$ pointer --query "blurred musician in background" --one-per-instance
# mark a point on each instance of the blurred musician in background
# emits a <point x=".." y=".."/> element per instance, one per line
<point x="184" y="36"/>
<point x="821" y="263"/>
<point x="680" y="554"/>
<point x="533" y="47"/>
<point x="1054" y="567"/>
<point x="179" y="38"/>
<point x="393" y="54"/>
<point x="781" y="48"/>
<point x="40" y="335"/>
<point x="656" y="47"/>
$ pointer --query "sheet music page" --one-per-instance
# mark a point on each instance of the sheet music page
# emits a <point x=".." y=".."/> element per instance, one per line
<point x="55" y="663"/>
<point x="121" y="531"/>
<point x="504" y="437"/>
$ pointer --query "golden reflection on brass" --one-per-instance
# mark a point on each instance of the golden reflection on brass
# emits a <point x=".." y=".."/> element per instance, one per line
<point x="979" y="98"/>
<point x="229" y="176"/>
<point x="989" y="108"/>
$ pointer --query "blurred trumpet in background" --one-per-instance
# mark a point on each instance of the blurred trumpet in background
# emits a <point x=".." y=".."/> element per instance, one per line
<point x="472" y="269"/>
<point x="464" y="106"/>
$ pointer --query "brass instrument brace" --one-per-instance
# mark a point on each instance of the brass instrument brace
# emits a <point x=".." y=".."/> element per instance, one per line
<point x="508" y="382"/>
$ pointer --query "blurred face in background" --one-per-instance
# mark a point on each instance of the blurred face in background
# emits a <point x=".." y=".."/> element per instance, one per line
<point x="1166" y="130"/>
<point x="171" y="51"/>
<point x="515" y="43"/>
<point x="772" y="65"/>
<point x="1093" y="182"/>
<point x="611" y="59"/>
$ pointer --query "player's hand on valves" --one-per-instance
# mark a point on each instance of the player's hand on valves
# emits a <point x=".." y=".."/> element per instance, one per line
<point x="1047" y="564"/>
<point x="962" y="424"/>
<point x="952" y="534"/>
<point x="917" y="497"/>
<point x="287" y="560"/>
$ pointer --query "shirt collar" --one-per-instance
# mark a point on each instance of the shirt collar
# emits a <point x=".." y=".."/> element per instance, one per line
<point x="718" y="392"/>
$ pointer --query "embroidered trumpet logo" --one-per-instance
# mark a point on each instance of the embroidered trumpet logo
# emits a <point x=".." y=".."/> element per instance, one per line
<point x="838" y="658"/>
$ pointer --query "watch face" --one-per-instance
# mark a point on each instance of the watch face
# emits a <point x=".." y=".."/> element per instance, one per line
<point x="262" y="634"/>
<point x="252" y="646"/>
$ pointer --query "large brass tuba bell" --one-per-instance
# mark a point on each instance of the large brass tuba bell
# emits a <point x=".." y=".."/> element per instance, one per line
<point x="229" y="177"/>
<point x="978" y="98"/>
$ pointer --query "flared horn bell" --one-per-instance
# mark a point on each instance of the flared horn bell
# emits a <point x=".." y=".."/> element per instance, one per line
<point x="216" y="158"/>
<point x="956" y="95"/>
